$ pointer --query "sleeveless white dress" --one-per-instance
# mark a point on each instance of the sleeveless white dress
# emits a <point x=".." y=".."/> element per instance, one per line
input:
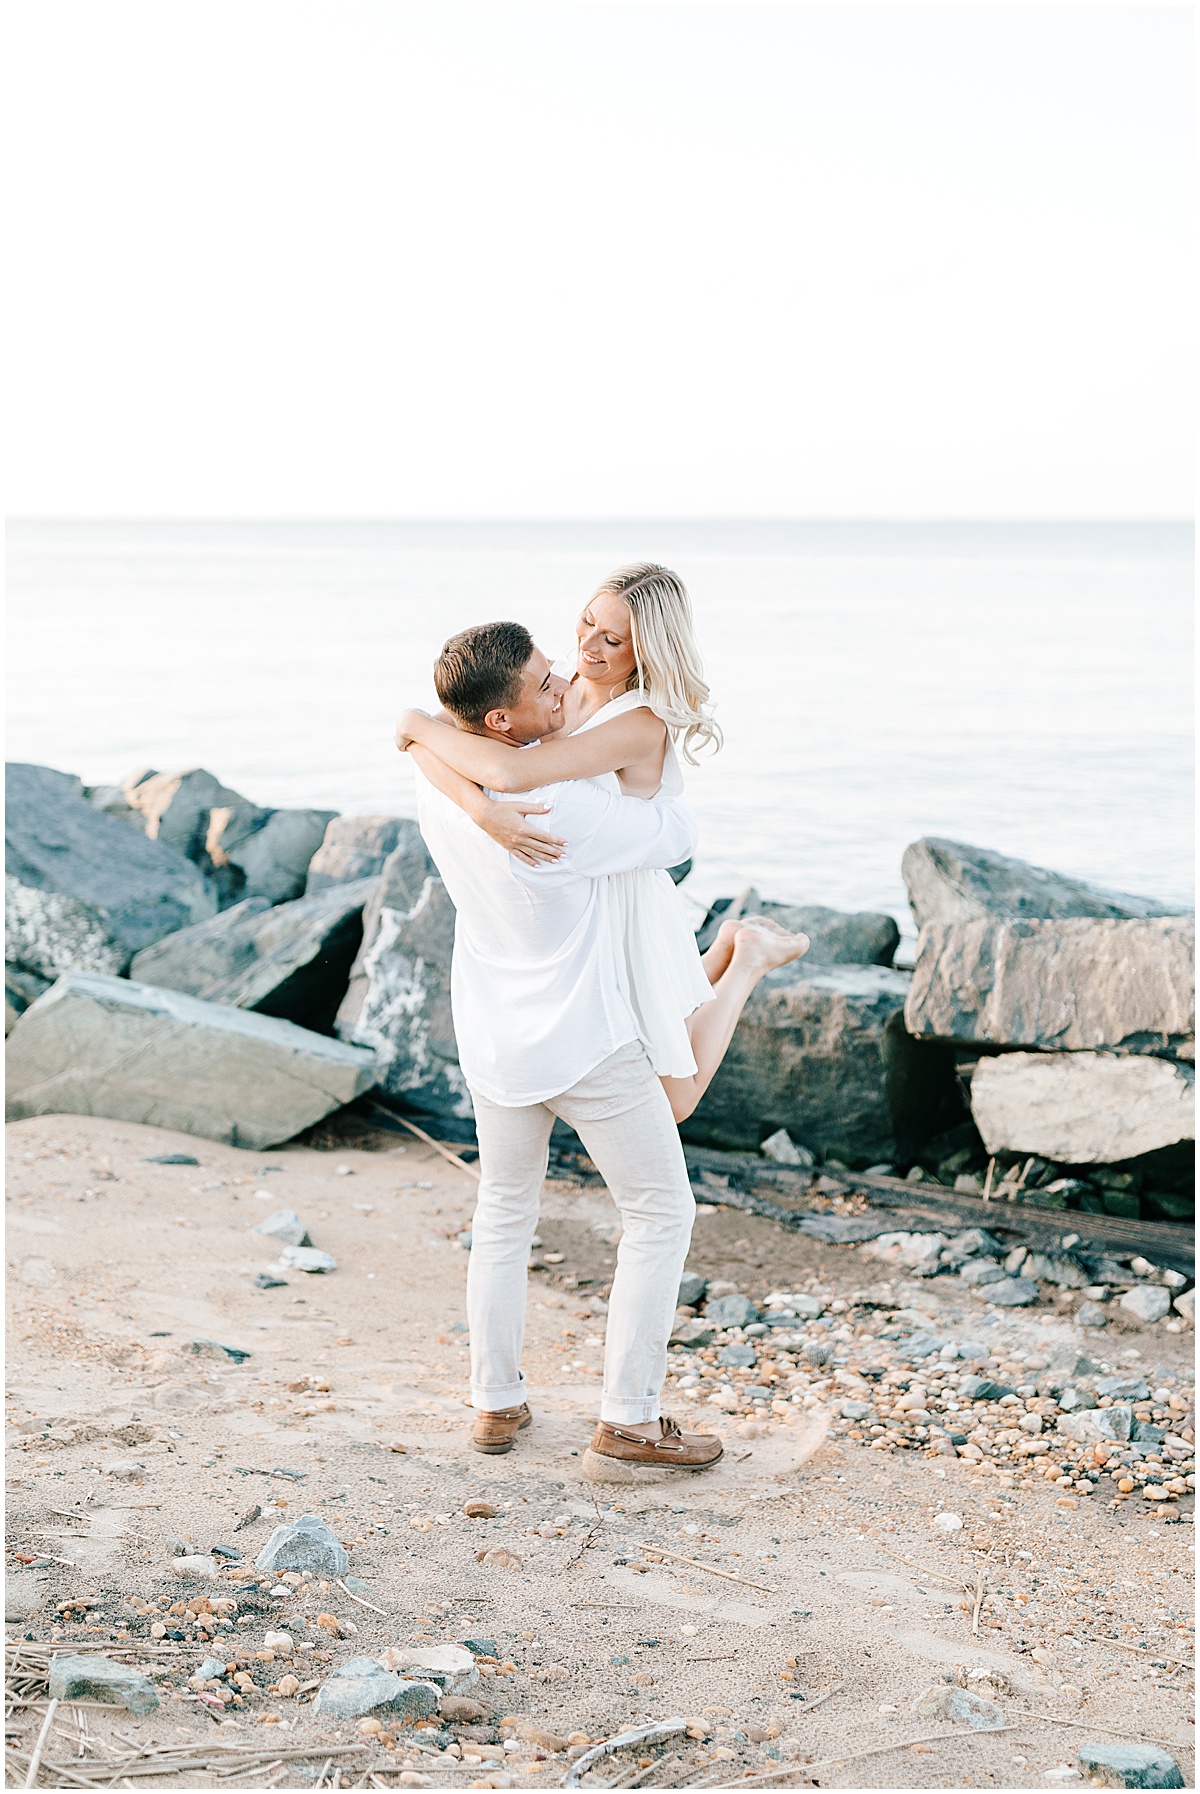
<point x="667" y="982"/>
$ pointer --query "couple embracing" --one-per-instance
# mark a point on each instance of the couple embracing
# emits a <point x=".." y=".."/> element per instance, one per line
<point x="577" y="988"/>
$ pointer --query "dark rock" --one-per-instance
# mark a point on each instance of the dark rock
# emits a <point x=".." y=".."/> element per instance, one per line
<point x="304" y="1544"/>
<point x="291" y="961"/>
<point x="1124" y="1389"/>
<point x="949" y="881"/>
<point x="354" y="1691"/>
<point x="1014" y="1292"/>
<point x="692" y="1334"/>
<point x="983" y="1389"/>
<point x="81" y="890"/>
<point x="103" y="1046"/>
<point x="835" y="937"/>
<point x="264" y="1280"/>
<point x="357" y="847"/>
<point x="398" y="1001"/>
<point x="21" y="988"/>
<point x="1059" y="1268"/>
<point x="1128" y="1766"/>
<point x="691" y="1289"/>
<point x="171" y="1158"/>
<point x="823" y="1052"/>
<point x="246" y="850"/>
<point x="680" y="872"/>
<point x="842" y="1230"/>
<point x="1072" y="984"/>
<point x="730" y="1311"/>
<point x="88" y="1678"/>
<point x="480" y="1647"/>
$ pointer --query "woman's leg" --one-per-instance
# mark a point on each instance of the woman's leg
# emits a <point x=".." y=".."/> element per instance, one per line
<point x="758" y="947"/>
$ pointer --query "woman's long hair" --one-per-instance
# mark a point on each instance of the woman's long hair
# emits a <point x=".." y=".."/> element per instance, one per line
<point x="669" y="668"/>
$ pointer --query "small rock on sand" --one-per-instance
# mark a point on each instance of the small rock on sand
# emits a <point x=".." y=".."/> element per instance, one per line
<point x="303" y="1544"/>
<point x="1128" y="1766"/>
<point x="100" y="1679"/>
<point x="943" y="1701"/>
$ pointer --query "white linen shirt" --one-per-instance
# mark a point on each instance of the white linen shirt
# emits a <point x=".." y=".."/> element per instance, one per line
<point x="538" y="987"/>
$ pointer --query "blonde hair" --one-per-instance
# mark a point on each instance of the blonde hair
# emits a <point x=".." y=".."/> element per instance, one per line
<point x="669" y="668"/>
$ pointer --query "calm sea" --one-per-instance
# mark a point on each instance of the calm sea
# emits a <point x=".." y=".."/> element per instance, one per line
<point x="1023" y="687"/>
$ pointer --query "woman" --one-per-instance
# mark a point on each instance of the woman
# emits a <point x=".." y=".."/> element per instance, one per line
<point x="636" y="690"/>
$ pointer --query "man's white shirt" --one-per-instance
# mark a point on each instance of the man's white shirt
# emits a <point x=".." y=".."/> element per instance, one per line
<point x="538" y="986"/>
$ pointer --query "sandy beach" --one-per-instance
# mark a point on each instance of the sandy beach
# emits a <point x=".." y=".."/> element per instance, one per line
<point x="127" y="1440"/>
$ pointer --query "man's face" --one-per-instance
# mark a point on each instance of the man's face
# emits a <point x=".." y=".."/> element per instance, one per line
<point x="538" y="712"/>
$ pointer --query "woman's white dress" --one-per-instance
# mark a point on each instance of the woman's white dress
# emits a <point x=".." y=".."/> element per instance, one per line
<point x="667" y="982"/>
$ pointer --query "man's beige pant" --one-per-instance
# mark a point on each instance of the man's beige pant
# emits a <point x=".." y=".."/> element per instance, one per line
<point x="621" y="1113"/>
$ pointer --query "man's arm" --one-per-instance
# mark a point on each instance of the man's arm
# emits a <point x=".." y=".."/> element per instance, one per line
<point x="606" y="833"/>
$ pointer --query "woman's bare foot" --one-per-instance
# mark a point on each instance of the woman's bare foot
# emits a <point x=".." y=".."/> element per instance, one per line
<point x="716" y="960"/>
<point x="762" y="945"/>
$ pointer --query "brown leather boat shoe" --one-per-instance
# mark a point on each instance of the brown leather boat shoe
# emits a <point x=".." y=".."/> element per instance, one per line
<point x="496" y="1429"/>
<point x="675" y="1450"/>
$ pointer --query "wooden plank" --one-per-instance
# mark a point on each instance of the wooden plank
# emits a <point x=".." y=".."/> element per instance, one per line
<point x="1162" y="1242"/>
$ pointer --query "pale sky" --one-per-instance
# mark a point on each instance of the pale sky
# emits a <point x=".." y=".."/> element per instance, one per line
<point x="350" y="258"/>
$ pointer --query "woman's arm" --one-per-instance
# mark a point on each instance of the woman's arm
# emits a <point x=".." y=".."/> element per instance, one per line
<point x="504" y="822"/>
<point x="634" y="735"/>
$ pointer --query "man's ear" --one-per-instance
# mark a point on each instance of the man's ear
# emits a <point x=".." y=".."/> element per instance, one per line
<point x="498" y="722"/>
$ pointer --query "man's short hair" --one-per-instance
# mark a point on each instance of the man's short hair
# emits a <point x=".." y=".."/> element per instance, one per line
<point x="480" y="669"/>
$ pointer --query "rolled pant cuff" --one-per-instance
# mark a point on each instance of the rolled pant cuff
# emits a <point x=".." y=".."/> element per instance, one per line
<point x="495" y="1400"/>
<point x="629" y="1413"/>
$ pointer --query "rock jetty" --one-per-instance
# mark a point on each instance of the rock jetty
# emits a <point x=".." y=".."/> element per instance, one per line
<point x="179" y="954"/>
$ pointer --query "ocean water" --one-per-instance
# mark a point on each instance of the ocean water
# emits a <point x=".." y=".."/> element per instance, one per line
<point x="1025" y="687"/>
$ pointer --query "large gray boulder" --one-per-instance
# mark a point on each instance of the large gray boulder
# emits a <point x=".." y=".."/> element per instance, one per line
<point x="1082" y="1108"/>
<point x="398" y="1002"/>
<point x="103" y="1046"/>
<point x="357" y="847"/>
<point x="949" y="881"/>
<point x="21" y="988"/>
<point x="244" y="849"/>
<point x="82" y="889"/>
<point x="1073" y="984"/>
<point x="292" y="960"/>
<point x="823" y="1051"/>
<point x="837" y="937"/>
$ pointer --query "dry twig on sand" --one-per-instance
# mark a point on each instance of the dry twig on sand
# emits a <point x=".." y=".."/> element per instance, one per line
<point x="693" y="1564"/>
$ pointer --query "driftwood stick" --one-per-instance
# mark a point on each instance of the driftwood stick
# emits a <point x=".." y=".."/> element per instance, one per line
<point x="876" y="1750"/>
<point x="452" y="1157"/>
<point x="35" y="1761"/>
<point x="361" y="1602"/>
<point x="727" y="1575"/>
<point x="1158" y="1656"/>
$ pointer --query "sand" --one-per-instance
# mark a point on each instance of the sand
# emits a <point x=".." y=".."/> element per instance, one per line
<point x="115" y="1264"/>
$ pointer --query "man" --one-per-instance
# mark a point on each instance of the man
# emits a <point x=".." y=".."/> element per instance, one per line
<point x="545" y="1029"/>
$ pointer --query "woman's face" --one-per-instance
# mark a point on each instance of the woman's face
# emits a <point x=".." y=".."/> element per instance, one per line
<point x="606" y="641"/>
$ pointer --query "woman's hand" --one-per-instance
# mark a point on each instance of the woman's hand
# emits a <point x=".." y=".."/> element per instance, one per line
<point x="405" y="734"/>
<point x="506" y="823"/>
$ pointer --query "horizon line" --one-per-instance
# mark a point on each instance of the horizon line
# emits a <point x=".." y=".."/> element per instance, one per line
<point x="43" y="517"/>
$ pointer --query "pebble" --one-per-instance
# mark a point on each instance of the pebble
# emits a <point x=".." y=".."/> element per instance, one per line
<point x="479" y="1510"/>
<point x="307" y="1258"/>
<point x="691" y="1289"/>
<point x="947" y="1523"/>
<point x="171" y="1158"/>
<point x="279" y="1641"/>
<point x="1149" y="1303"/>
<point x="203" y="1568"/>
<point x="451" y="1667"/>
<point x="286" y="1225"/>
<point x="264" y="1280"/>
<point x="740" y="1356"/>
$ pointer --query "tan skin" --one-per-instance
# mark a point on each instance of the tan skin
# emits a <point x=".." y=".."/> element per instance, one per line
<point x="457" y="761"/>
